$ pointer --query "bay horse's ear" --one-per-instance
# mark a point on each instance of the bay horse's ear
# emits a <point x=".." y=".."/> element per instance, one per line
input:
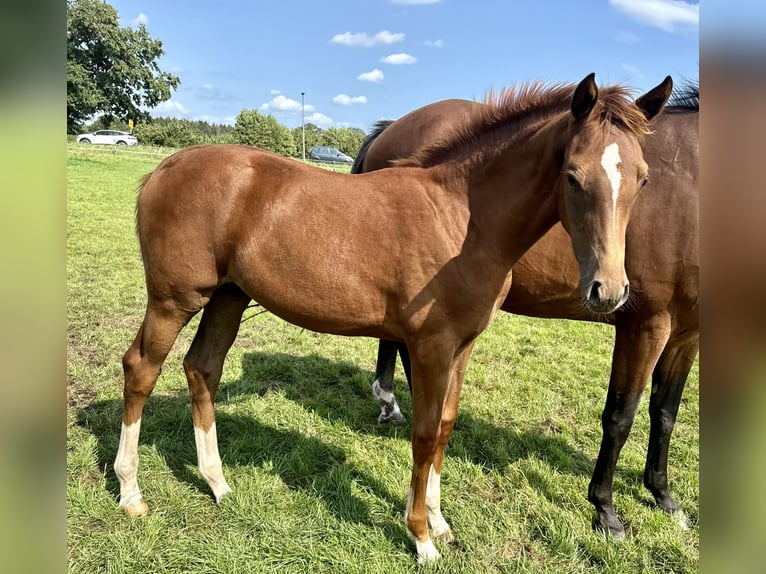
<point x="585" y="97"/>
<point x="652" y="102"/>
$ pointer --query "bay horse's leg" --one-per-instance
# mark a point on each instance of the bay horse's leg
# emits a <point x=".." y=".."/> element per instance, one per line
<point x="436" y="394"/>
<point x="668" y="381"/>
<point x="383" y="386"/>
<point x="203" y="365"/>
<point x="636" y="351"/>
<point x="142" y="364"/>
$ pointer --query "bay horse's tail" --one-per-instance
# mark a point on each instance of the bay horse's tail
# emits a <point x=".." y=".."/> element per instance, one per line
<point x="371" y="137"/>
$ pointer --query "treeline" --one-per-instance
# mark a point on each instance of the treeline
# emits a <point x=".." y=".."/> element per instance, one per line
<point x="250" y="128"/>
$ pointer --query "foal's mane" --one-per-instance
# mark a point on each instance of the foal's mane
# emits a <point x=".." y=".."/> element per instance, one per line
<point x="515" y="111"/>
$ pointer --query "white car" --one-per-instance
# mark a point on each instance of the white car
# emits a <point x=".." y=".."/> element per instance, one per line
<point x="111" y="137"/>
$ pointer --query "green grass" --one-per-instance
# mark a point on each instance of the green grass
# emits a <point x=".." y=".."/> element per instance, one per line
<point x="318" y="485"/>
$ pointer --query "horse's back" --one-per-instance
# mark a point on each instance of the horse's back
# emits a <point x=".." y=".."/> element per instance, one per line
<point x="405" y="136"/>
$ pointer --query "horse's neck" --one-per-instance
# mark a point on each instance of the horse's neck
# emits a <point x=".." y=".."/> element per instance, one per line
<point x="513" y="197"/>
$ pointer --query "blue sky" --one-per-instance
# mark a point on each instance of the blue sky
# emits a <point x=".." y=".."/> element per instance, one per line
<point x="359" y="61"/>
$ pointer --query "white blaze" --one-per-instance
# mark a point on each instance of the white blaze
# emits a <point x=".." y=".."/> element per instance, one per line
<point x="610" y="160"/>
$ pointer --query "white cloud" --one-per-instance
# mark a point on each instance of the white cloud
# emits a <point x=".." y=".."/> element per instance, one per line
<point x="397" y="59"/>
<point x="172" y="108"/>
<point x="365" y="40"/>
<point x="275" y="92"/>
<point x="668" y="15"/>
<point x="346" y="100"/>
<point x="375" y="76"/>
<point x="319" y="119"/>
<point x="434" y="43"/>
<point x="413" y="2"/>
<point x="285" y="104"/>
<point x="140" y="19"/>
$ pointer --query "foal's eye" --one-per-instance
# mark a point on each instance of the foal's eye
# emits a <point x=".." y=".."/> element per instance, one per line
<point x="643" y="183"/>
<point x="572" y="180"/>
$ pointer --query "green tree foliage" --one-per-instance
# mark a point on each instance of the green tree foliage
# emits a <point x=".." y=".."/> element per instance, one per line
<point x="313" y="137"/>
<point x="111" y="70"/>
<point x="172" y="134"/>
<point x="254" y="129"/>
<point x="347" y="140"/>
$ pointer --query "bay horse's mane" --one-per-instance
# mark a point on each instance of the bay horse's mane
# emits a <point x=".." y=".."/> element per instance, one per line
<point x="516" y="110"/>
<point x="685" y="98"/>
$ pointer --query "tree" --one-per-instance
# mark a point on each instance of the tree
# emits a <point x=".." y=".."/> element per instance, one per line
<point x="111" y="70"/>
<point x="347" y="140"/>
<point x="253" y="128"/>
<point x="313" y="137"/>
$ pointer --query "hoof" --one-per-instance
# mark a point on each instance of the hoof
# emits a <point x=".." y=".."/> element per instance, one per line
<point x="444" y="535"/>
<point x="138" y="508"/>
<point x="427" y="552"/>
<point x="615" y="530"/>
<point x="221" y="492"/>
<point x="681" y="519"/>
<point x="392" y="417"/>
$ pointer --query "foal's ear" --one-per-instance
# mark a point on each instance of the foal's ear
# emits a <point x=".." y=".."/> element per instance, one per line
<point x="652" y="102"/>
<point x="585" y="97"/>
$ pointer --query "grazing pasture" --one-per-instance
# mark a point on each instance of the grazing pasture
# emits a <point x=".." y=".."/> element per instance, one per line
<point x="318" y="485"/>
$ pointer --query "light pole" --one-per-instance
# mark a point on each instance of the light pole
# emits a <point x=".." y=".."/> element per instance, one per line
<point x="303" y="125"/>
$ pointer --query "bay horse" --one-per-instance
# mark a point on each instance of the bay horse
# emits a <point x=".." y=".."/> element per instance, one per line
<point x="221" y="224"/>
<point x="657" y="333"/>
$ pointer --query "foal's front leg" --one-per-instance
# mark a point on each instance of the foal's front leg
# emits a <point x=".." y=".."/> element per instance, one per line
<point x="435" y="403"/>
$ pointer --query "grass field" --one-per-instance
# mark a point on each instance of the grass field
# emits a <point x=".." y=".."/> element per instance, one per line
<point x="318" y="485"/>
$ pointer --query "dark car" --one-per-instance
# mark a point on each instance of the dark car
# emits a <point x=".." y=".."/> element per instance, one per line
<point x="328" y="154"/>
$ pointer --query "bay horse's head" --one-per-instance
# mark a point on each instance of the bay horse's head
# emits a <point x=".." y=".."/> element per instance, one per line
<point x="603" y="171"/>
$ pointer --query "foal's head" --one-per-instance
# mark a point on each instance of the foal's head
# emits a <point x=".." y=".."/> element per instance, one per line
<point x="603" y="171"/>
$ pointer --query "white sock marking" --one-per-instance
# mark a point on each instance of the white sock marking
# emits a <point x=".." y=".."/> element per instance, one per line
<point x="126" y="463"/>
<point x="209" y="461"/>
<point x="433" y="504"/>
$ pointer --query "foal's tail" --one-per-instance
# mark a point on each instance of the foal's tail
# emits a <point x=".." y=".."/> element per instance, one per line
<point x="139" y="190"/>
<point x="371" y="137"/>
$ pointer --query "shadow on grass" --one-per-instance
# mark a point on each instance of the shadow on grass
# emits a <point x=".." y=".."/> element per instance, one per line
<point x="303" y="463"/>
<point x="337" y="391"/>
<point x="341" y="391"/>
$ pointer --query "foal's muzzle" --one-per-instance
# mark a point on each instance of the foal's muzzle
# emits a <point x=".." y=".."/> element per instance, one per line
<point x="602" y="299"/>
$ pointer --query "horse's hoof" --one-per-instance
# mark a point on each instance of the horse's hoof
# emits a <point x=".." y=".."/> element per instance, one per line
<point x="393" y="417"/>
<point x="444" y="535"/>
<point x="615" y="530"/>
<point x="221" y="492"/>
<point x="681" y="519"/>
<point x="427" y="552"/>
<point x="138" y="508"/>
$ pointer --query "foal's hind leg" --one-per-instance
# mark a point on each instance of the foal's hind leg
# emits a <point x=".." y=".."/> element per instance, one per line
<point x="203" y="365"/>
<point x="142" y="364"/>
<point x="636" y="350"/>
<point x="668" y="381"/>
<point x="383" y="386"/>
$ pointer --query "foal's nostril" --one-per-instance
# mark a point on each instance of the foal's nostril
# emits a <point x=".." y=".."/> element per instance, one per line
<point x="595" y="292"/>
<point x="626" y="293"/>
